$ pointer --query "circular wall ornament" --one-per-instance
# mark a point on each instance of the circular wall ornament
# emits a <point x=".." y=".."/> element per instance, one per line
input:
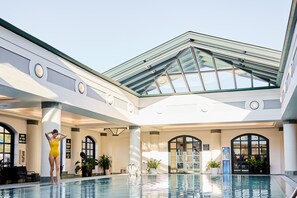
<point x="110" y="99"/>
<point x="38" y="69"/>
<point x="130" y="107"/>
<point x="81" y="87"/>
<point x="204" y="108"/>
<point x="254" y="105"/>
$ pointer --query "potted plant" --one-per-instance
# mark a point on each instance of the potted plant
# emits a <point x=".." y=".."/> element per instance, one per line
<point x="86" y="165"/>
<point x="256" y="165"/>
<point x="214" y="167"/>
<point x="152" y="166"/>
<point x="104" y="163"/>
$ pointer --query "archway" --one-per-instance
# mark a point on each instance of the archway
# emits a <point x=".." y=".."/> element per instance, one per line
<point x="184" y="154"/>
<point x="246" y="147"/>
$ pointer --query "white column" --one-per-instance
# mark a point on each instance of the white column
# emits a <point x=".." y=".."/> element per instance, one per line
<point x="290" y="147"/>
<point x="215" y="145"/>
<point x="135" y="146"/>
<point x="51" y="119"/>
<point x="75" y="146"/>
<point x="33" y="151"/>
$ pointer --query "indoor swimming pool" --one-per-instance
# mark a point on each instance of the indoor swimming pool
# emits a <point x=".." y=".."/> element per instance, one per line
<point x="161" y="185"/>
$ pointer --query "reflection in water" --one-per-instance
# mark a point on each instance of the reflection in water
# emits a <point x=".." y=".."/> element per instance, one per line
<point x="156" y="186"/>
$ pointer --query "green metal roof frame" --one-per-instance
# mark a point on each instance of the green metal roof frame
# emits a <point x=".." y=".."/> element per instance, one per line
<point x="288" y="41"/>
<point x="141" y="71"/>
<point x="55" y="51"/>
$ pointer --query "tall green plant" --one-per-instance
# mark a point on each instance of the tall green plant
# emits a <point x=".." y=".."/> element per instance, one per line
<point x="104" y="163"/>
<point x="153" y="164"/>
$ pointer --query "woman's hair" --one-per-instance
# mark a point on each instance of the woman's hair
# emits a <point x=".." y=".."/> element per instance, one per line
<point x="55" y="131"/>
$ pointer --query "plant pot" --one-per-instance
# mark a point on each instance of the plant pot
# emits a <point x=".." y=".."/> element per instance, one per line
<point x="153" y="171"/>
<point x="214" y="171"/>
<point x="85" y="172"/>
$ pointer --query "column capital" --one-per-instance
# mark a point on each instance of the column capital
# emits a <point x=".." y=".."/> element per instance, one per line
<point x="75" y="130"/>
<point x="134" y="127"/>
<point x="215" y="131"/>
<point x="290" y="121"/>
<point x="32" y="122"/>
<point x="51" y="105"/>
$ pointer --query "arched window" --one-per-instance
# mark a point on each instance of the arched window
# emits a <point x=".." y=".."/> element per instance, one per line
<point x="184" y="152"/>
<point x="88" y="147"/>
<point x="6" y="145"/>
<point x="250" y="146"/>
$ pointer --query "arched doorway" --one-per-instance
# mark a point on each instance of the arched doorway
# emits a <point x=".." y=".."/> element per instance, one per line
<point x="6" y="145"/>
<point x="184" y="154"/>
<point x="246" y="147"/>
<point x="88" y="147"/>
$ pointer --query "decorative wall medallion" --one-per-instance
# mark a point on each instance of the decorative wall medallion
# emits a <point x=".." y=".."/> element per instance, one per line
<point x="81" y="87"/>
<point x="254" y="105"/>
<point x="110" y="99"/>
<point x="38" y="69"/>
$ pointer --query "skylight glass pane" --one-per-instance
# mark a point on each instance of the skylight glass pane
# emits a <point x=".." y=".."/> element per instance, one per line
<point x="258" y="82"/>
<point x="173" y="69"/>
<point x="187" y="61"/>
<point x="178" y="83"/>
<point x="152" y="89"/>
<point x="204" y="61"/>
<point x="222" y="64"/>
<point x="164" y="85"/>
<point x="194" y="82"/>
<point x="210" y="81"/>
<point x="243" y="79"/>
<point x="226" y="79"/>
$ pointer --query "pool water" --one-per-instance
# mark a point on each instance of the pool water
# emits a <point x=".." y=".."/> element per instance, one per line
<point x="151" y="186"/>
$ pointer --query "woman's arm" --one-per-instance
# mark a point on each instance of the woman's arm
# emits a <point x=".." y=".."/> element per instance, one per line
<point x="47" y="136"/>
<point x="62" y="136"/>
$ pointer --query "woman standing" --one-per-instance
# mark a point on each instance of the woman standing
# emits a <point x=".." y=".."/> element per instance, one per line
<point x="54" y="137"/>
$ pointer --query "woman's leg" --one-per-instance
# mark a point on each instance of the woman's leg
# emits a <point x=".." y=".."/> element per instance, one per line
<point x="51" y="161"/>
<point x="57" y="162"/>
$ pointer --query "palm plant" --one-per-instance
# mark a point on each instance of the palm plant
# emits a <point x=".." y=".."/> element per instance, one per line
<point x="104" y="163"/>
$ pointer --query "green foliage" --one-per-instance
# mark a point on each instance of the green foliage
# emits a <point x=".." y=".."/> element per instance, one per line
<point x="252" y="161"/>
<point x="213" y="164"/>
<point x="104" y="163"/>
<point x="87" y="163"/>
<point x="153" y="164"/>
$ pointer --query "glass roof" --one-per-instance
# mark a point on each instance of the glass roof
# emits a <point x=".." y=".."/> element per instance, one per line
<point x="196" y="63"/>
<point x="197" y="70"/>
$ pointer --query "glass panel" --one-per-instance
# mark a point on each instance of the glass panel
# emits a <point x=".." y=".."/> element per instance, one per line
<point x="204" y="61"/>
<point x="210" y="81"/>
<point x="90" y="146"/>
<point x="1" y="138"/>
<point x="1" y="129"/>
<point x="178" y="83"/>
<point x="83" y="145"/>
<point x="226" y="79"/>
<point x="6" y="131"/>
<point x="237" y="139"/>
<point x="244" y="151"/>
<point x="237" y="151"/>
<point x="263" y="143"/>
<point x="153" y="89"/>
<point x="258" y="82"/>
<point x="222" y="64"/>
<point x="7" y="148"/>
<point x="255" y="151"/>
<point x="187" y="61"/>
<point x="1" y="148"/>
<point x="89" y="140"/>
<point x="255" y="137"/>
<point x="194" y="82"/>
<point x="164" y="84"/>
<point x="262" y="150"/>
<point x="173" y="69"/>
<point x="261" y="138"/>
<point x="244" y="137"/>
<point x="244" y="144"/>
<point x="243" y="79"/>
<point x="7" y="138"/>
<point x="172" y="145"/>
<point x="189" y="139"/>
<point x="7" y="158"/>
<point x="255" y="144"/>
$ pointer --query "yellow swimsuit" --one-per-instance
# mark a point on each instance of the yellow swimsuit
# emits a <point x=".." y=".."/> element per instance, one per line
<point x="54" y="148"/>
